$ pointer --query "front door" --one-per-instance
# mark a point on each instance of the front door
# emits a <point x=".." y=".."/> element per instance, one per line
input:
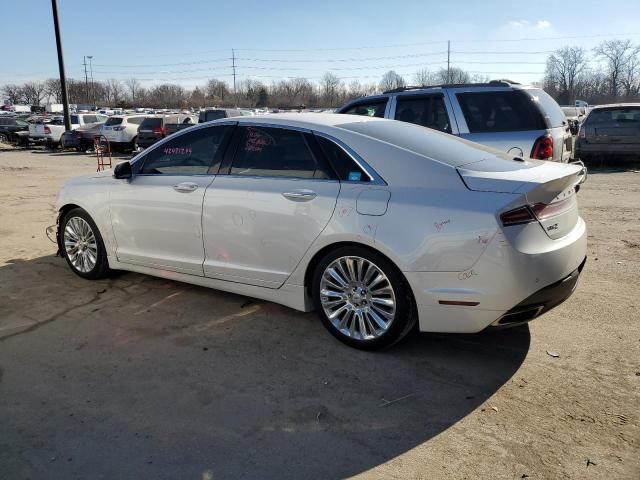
<point x="157" y="215"/>
<point x="261" y="217"/>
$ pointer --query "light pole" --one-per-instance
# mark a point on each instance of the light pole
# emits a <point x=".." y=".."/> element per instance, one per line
<point x="63" y="79"/>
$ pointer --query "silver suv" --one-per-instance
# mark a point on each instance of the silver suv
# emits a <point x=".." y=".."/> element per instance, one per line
<point x="520" y="120"/>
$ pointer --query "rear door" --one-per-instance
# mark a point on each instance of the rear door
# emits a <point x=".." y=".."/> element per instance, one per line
<point x="614" y="126"/>
<point x="430" y="110"/>
<point x="266" y="208"/>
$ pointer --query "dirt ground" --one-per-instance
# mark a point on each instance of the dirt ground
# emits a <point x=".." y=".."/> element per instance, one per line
<point x="137" y="377"/>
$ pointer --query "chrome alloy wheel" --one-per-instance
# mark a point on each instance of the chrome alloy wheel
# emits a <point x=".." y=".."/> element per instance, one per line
<point x="357" y="298"/>
<point x="80" y="244"/>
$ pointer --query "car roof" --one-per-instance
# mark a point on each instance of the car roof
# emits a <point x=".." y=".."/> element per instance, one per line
<point x="615" y="105"/>
<point x="308" y="120"/>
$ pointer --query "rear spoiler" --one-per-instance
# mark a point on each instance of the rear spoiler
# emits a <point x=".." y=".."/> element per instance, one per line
<point x="583" y="175"/>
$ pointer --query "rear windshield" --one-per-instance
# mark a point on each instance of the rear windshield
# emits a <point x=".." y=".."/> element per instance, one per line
<point x="212" y="115"/>
<point x="151" y="123"/>
<point x="549" y="107"/>
<point x="614" y="115"/>
<point x="508" y="111"/>
<point x="113" y="121"/>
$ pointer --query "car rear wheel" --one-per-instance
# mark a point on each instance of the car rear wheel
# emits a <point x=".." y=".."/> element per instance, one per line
<point x="82" y="245"/>
<point x="362" y="298"/>
<point x="4" y="138"/>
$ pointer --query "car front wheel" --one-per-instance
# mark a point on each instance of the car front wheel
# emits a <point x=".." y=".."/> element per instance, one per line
<point x="82" y="245"/>
<point x="362" y="298"/>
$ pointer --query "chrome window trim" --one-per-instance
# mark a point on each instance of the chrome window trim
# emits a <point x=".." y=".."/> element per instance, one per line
<point x="374" y="178"/>
<point x="278" y="177"/>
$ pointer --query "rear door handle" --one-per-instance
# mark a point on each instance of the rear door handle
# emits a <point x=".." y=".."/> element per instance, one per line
<point x="300" y="195"/>
<point x="186" y="187"/>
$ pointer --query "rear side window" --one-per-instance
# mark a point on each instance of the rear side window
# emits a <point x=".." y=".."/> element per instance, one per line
<point x="90" y="119"/>
<point x="135" y="120"/>
<point x="275" y="152"/>
<point x="617" y="115"/>
<point x="345" y="166"/>
<point x="113" y="121"/>
<point x="508" y="111"/>
<point x="428" y="111"/>
<point x="194" y="153"/>
<point x="549" y="107"/>
<point x="368" y="109"/>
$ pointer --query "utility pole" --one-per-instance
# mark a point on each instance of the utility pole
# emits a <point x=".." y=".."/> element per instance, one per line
<point x="63" y="80"/>
<point x="90" y="57"/>
<point x="233" y="64"/>
<point x="86" y="79"/>
<point x="448" y="58"/>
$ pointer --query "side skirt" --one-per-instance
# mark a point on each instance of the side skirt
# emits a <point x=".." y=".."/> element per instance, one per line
<point x="293" y="296"/>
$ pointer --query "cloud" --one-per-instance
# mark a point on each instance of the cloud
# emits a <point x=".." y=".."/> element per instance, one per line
<point x="540" y="24"/>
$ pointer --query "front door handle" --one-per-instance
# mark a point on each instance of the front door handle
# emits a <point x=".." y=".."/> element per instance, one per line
<point x="300" y="195"/>
<point x="185" y="187"/>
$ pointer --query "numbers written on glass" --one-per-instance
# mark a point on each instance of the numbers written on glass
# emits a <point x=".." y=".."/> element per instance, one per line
<point x="177" y="151"/>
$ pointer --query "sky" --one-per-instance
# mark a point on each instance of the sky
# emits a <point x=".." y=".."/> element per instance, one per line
<point x="190" y="41"/>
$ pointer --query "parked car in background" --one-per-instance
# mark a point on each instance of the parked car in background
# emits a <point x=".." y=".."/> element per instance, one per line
<point x="210" y="114"/>
<point x="317" y="210"/>
<point x="122" y="131"/>
<point x="52" y="132"/>
<point x="9" y="127"/>
<point x="574" y="117"/>
<point x="81" y="139"/>
<point x="522" y="121"/>
<point x="157" y="127"/>
<point x="610" y="131"/>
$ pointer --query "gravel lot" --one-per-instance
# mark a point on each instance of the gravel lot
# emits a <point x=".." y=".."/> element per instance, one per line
<point x="137" y="377"/>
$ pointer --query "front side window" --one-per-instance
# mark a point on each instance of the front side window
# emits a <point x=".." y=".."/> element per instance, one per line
<point x="275" y="152"/>
<point x="508" y="111"/>
<point x="370" y="109"/>
<point x="194" y="153"/>
<point x="428" y="111"/>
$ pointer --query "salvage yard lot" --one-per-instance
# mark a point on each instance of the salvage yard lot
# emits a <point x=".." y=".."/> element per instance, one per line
<point x="139" y="377"/>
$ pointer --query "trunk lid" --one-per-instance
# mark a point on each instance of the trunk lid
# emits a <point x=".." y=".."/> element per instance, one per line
<point x="548" y="188"/>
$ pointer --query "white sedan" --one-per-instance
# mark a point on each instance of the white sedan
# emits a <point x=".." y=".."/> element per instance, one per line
<point x="377" y="224"/>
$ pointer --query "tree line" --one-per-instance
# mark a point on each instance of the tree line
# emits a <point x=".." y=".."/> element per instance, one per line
<point x="608" y="73"/>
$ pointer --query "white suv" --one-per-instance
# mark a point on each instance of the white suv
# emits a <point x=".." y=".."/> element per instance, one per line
<point x="53" y="131"/>
<point x="122" y="131"/>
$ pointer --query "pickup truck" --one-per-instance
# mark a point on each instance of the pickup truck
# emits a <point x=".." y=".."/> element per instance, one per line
<point x="52" y="132"/>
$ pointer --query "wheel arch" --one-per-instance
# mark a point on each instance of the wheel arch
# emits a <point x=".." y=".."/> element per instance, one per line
<point x="320" y="254"/>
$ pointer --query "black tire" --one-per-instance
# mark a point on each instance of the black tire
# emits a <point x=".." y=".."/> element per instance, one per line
<point x="101" y="267"/>
<point x="405" y="316"/>
<point x="4" y="138"/>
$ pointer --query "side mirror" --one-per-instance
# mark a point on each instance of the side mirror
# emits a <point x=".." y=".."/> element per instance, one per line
<point x="122" y="171"/>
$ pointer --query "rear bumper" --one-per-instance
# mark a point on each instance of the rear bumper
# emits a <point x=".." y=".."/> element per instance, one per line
<point x="145" y="142"/>
<point x="626" y="149"/>
<point x="541" y="301"/>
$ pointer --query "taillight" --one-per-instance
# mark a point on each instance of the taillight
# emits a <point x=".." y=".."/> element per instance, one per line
<point x="159" y="131"/>
<point x="543" y="148"/>
<point x="543" y="211"/>
<point x="47" y="129"/>
<point x="517" y="216"/>
<point x="537" y="211"/>
<point x="118" y="129"/>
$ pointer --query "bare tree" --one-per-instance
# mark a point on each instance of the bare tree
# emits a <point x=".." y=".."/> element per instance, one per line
<point x="564" y="70"/>
<point x="116" y="90"/>
<point x="391" y="80"/>
<point x="329" y="89"/>
<point x="423" y="77"/>
<point x="616" y="54"/>
<point x="630" y="79"/>
<point x="134" y="87"/>
<point x="217" y="91"/>
<point x="34" y="92"/>
<point x="53" y="89"/>
<point x="13" y="93"/>
<point x="454" y="75"/>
